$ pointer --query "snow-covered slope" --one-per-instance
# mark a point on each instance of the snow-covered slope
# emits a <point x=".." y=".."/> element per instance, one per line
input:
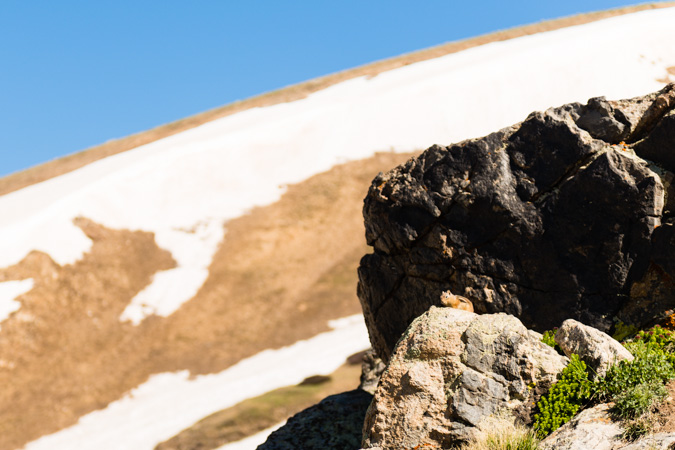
<point x="185" y="188"/>
<point x="148" y="415"/>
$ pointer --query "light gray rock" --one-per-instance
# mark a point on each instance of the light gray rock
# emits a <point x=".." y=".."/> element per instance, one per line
<point x="450" y="370"/>
<point x="658" y="441"/>
<point x="590" y="429"/>
<point x="594" y="429"/>
<point x="597" y="349"/>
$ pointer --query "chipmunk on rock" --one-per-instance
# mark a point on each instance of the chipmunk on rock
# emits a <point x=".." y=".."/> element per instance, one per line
<point x="456" y="301"/>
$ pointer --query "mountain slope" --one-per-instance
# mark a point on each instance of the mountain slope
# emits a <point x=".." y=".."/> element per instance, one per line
<point x="187" y="254"/>
<point x="72" y="162"/>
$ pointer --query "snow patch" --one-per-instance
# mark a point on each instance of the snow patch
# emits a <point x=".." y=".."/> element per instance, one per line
<point x="170" y="402"/>
<point x="193" y="250"/>
<point x="9" y="291"/>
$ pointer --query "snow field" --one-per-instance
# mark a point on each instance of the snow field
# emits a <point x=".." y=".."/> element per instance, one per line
<point x="170" y="402"/>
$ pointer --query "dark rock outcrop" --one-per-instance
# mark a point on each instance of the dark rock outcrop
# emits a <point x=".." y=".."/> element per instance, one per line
<point x="569" y="214"/>
<point x="333" y="424"/>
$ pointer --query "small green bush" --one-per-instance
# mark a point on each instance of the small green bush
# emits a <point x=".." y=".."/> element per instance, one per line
<point x="565" y="398"/>
<point x="649" y="366"/>
<point x="634" y="386"/>
<point x="658" y="339"/>
<point x="548" y="338"/>
<point x="637" y="400"/>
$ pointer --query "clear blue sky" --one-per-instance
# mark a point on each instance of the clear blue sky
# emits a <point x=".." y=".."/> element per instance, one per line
<point x="74" y="74"/>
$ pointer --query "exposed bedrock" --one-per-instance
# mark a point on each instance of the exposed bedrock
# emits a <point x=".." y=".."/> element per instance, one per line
<point x="569" y="214"/>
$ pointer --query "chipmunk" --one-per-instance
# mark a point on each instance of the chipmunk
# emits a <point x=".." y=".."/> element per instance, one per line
<point x="456" y="301"/>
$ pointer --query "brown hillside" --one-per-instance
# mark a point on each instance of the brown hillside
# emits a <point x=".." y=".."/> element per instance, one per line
<point x="281" y="273"/>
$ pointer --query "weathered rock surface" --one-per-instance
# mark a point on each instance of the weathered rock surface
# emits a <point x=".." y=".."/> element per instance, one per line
<point x="658" y="441"/>
<point x="592" y="428"/>
<point x="569" y="214"/>
<point x="450" y="370"/>
<point x="335" y="423"/>
<point x="597" y="349"/>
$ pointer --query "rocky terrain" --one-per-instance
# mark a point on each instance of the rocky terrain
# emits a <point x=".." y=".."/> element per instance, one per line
<point x="564" y="220"/>
<point x="145" y="282"/>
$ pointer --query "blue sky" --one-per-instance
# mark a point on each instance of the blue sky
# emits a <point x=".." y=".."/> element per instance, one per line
<point x="74" y="74"/>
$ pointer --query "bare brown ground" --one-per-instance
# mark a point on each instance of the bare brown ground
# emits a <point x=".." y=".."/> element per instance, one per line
<point x="61" y="351"/>
<point x="69" y="163"/>
<point x="665" y="411"/>
<point x="279" y="275"/>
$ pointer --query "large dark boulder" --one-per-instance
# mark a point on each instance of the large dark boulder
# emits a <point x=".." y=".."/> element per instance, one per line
<point x="333" y="424"/>
<point x="569" y="214"/>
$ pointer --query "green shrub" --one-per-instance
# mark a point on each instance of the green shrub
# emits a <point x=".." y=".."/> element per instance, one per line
<point x="659" y="339"/>
<point x="565" y="398"/>
<point x="634" y="386"/>
<point x="649" y="366"/>
<point x="548" y="338"/>
<point x="637" y="400"/>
